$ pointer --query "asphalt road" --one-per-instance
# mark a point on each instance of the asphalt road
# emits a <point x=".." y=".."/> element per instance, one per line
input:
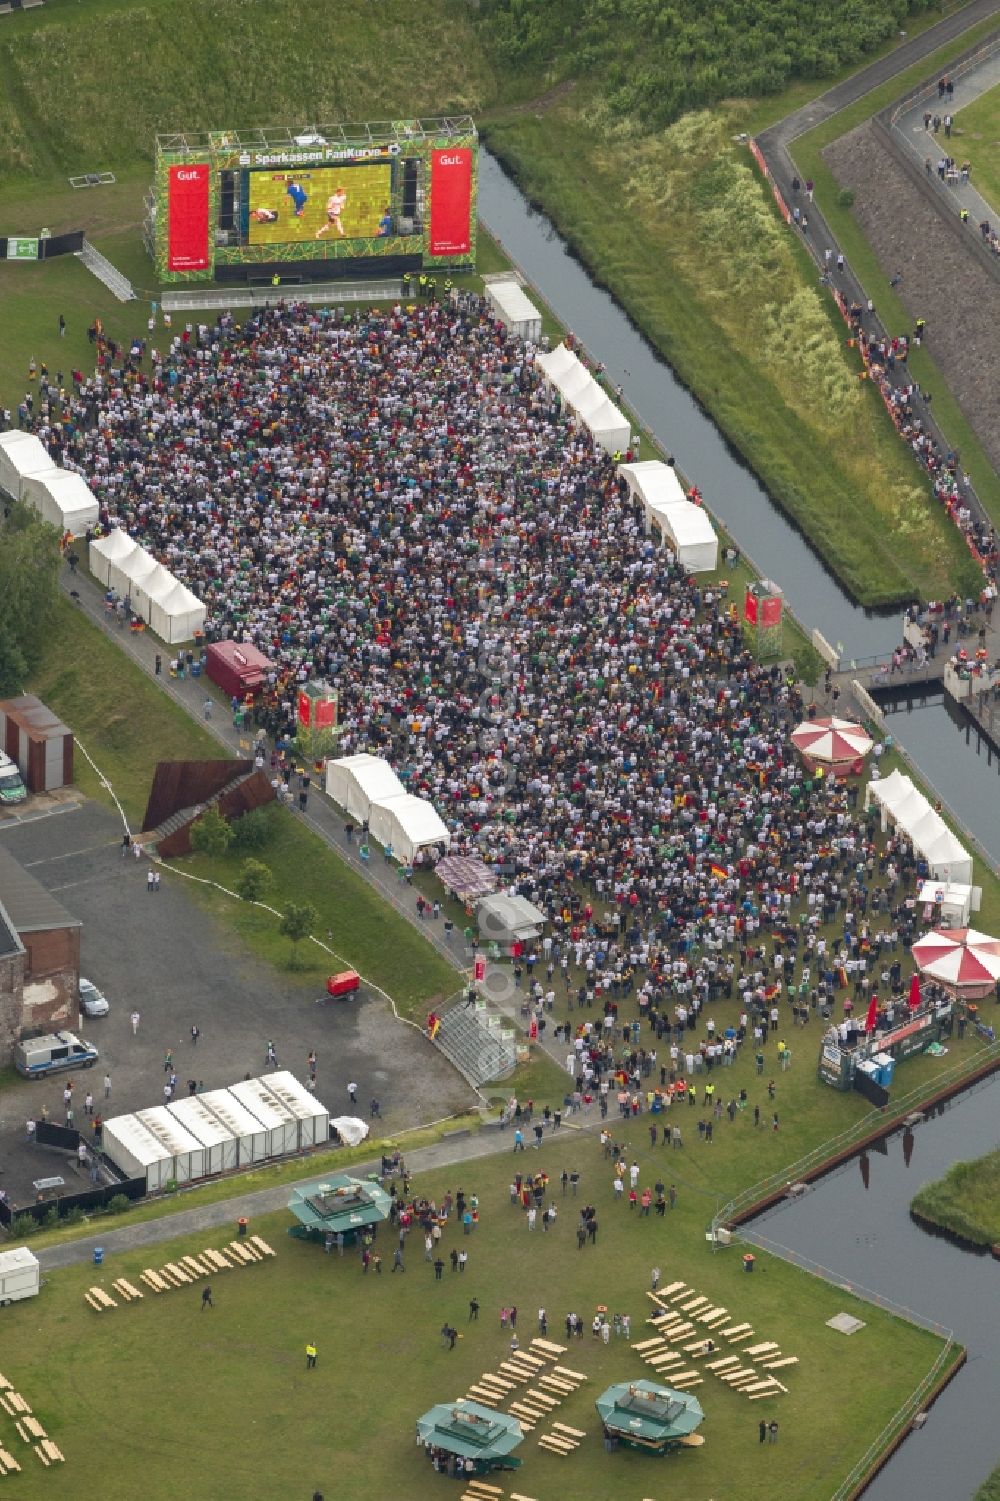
<point x="174" y="963"/>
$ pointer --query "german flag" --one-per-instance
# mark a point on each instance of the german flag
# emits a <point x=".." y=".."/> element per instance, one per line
<point x="719" y="871"/>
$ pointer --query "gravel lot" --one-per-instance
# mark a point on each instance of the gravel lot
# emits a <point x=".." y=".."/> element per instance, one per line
<point x="941" y="281"/>
<point x="174" y="963"/>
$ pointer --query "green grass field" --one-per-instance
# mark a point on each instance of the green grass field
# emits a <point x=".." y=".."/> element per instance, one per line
<point x="965" y="1201"/>
<point x="188" y="1388"/>
<point x="977" y="132"/>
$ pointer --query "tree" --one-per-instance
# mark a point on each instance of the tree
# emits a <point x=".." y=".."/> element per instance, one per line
<point x="254" y="880"/>
<point x="315" y="745"/>
<point x="29" y="572"/>
<point x="211" y="834"/>
<point x="299" y="917"/>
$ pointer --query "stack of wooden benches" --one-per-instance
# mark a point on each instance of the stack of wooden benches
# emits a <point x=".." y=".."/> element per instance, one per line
<point x="29" y="1429"/>
<point x="479" y="1490"/>
<point x="182" y="1272"/>
<point x="690" y="1327"/>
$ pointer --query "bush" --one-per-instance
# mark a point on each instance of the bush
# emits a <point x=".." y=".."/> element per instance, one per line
<point x="75" y="1216"/>
<point x="23" y="1225"/>
<point x="118" y="1204"/>
<point x="211" y="834"/>
<point x="52" y="1218"/>
<point x="845" y="198"/>
<point x="252" y="832"/>
<point x="255" y="879"/>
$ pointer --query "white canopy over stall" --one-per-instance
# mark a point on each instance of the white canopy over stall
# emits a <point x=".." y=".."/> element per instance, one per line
<point x="409" y="824"/>
<point x="105" y="551"/>
<point x="355" y="782"/>
<point x="586" y="398"/>
<point x="219" y="1143"/>
<point x="514" y="308"/>
<point x="21" y="454"/>
<point x="906" y="808"/>
<point x="685" y="528"/>
<point x="280" y="1125"/>
<point x="61" y="497"/>
<point x="176" y="615"/>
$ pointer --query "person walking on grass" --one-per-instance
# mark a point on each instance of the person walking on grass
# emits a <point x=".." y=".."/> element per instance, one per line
<point x="311" y="1353"/>
<point x="206" y="1299"/>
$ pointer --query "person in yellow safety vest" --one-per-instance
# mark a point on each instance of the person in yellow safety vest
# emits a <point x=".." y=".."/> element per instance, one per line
<point x="617" y="456"/>
<point x="276" y="280"/>
<point x="311" y="1353"/>
<point x="423" y="285"/>
<point x="963" y="214"/>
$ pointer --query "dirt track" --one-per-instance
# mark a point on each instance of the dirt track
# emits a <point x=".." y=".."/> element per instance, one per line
<point x="941" y="281"/>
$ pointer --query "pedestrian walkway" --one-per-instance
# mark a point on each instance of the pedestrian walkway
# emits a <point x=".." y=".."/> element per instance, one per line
<point x="459" y="1146"/>
<point x="978" y="77"/>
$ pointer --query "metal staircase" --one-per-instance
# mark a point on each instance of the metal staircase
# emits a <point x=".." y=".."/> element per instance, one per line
<point x="117" y="283"/>
<point x="479" y="1042"/>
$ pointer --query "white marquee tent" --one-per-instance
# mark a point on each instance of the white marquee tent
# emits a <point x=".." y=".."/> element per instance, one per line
<point x="905" y="808"/>
<point x="107" y="550"/>
<point x="21" y="454"/>
<point x="281" y="1127"/>
<point x="685" y="528"/>
<point x="509" y="302"/>
<point x="247" y="1132"/>
<point x="185" y="1151"/>
<point x="355" y="782"/>
<point x="177" y="615"/>
<point x="313" y="1119"/>
<point x="136" y="1151"/>
<point x="220" y="1146"/>
<point x="61" y="497"/>
<point x="586" y="398"/>
<point x="409" y="824"/>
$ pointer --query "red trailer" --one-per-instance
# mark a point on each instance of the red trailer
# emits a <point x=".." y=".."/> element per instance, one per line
<point x="342" y="985"/>
<point x="240" y="670"/>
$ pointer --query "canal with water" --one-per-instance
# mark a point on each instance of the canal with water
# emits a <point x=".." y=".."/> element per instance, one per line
<point x="857" y="1225"/>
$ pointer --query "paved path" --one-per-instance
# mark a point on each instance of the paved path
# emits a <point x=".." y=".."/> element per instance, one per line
<point x="970" y="85"/>
<point x="449" y="1151"/>
<point x="775" y="146"/>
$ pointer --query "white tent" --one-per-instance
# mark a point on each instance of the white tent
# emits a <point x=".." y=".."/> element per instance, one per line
<point x="62" y="497"/>
<point x="654" y="484"/>
<point x="509" y="302"/>
<point x="131" y="569"/>
<point x="186" y="1153"/>
<point x="280" y="1125"/>
<point x="586" y="398"/>
<point x="355" y="782"/>
<point x="407" y="823"/>
<point x="947" y="858"/>
<point x="219" y="1143"/>
<point x="104" y="551"/>
<point x="907" y="808"/>
<point x="148" y="584"/>
<point x="119" y="577"/>
<point x="888" y="792"/>
<point x="247" y="1132"/>
<point x="136" y="1151"/>
<point x="176" y="615"/>
<point x="313" y="1119"/>
<point x="21" y="454"/>
<point x="690" y="535"/>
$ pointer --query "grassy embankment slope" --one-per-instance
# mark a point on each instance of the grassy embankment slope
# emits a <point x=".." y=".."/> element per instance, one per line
<point x="697" y="258"/>
<point x="966" y="1201"/>
<point x="348" y="1425"/>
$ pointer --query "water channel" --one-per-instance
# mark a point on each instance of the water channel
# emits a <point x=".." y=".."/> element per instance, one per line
<point x="730" y="489"/>
<point x="861" y="1230"/>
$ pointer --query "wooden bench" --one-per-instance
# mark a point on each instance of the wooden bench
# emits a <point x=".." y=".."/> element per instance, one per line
<point x="555" y="1445"/>
<point x="243" y="1252"/>
<point x="9" y="1463"/>
<point x="516" y="1496"/>
<point x="773" y="1391"/>
<point x="692" y="1440"/>
<point x="126" y="1290"/>
<point x="497" y="1382"/>
<point x="679" y="1296"/>
<point x="262" y="1245"/>
<point x="675" y="1287"/>
<point x="714" y="1317"/>
<point x="576" y="1376"/>
<point x="649" y="1344"/>
<point x="684" y="1383"/>
<point x="695" y="1304"/>
<point x="46" y="1461"/>
<point x="487" y="1490"/>
<point x="670" y="1357"/>
<point x="5" y="1385"/>
<point x="486" y="1399"/>
<point x="553" y="1383"/>
<point x="741" y="1373"/>
<point x="737" y="1331"/>
<point x="757" y="1352"/>
<point x="528" y="1359"/>
<point x="758" y="1386"/>
<point x="34" y="1427"/>
<point x="22" y="1432"/>
<point x="777" y="1365"/>
<point x="682" y="1331"/>
<point x="154" y="1280"/>
<point x="526" y="1422"/>
<point x="571" y="1432"/>
<point x="543" y="1399"/>
<point x="724" y="1363"/>
<point x="95" y="1305"/>
<point x="194" y="1266"/>
<point x="171" y="1278"/>
<point x="547" y="1350"/>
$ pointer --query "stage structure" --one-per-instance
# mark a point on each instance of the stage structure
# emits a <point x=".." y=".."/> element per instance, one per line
<point x="331" y="201"/>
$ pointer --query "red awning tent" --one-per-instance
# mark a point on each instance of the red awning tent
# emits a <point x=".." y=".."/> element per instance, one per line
<point x="833" y="741"/>
<point x="964" y="960"/>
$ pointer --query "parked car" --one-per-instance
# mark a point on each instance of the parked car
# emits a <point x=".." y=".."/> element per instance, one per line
<point x="40" y="1056"/>
<point x="92" y="1002"/>
<point x="12" y="789"/>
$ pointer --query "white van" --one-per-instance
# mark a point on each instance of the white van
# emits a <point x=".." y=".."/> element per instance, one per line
<point x="41" y="1056"/>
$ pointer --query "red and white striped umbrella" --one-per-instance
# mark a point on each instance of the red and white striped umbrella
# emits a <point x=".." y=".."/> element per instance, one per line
<point x="831" y="739"/>
<point x="958" y="956"/>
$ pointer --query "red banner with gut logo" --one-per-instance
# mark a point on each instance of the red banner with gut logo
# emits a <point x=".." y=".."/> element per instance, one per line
<point x="187" y="217"/>
<point x="451" y="201"/>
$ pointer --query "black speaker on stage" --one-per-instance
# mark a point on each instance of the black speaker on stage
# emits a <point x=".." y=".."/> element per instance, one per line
<point x="227" y="200"/>
<point x="410" y="170"/>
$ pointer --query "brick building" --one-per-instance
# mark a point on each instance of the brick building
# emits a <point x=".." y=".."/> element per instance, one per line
<point x="39" y="958"/>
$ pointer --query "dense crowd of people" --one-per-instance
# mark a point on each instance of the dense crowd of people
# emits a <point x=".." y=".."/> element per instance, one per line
<point x="396" y="502"/>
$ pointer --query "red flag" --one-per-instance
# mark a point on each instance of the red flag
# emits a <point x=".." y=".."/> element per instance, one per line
<point x="872" y="1016"/>
<point x="914" y="991"/>
<point x="480" y="969"/>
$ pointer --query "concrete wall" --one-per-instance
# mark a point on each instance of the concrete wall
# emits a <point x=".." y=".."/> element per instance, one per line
<point x="11" y="985"/>
<point x="52" y="978"/>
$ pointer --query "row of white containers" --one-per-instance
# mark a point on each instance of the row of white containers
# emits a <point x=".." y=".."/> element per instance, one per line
<point x="216" y="1132"/>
